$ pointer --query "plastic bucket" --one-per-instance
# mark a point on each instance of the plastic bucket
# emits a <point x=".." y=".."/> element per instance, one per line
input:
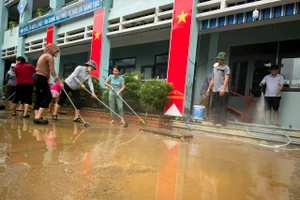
<point x="199" y="112"/>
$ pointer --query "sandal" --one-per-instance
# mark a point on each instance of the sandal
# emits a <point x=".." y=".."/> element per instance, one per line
<point x="26" y="116"/>
<point x="13" y="114"/>
<point x="41" y="121"/>
<point x="54" y="117"/>
<point x="78" y="120"/>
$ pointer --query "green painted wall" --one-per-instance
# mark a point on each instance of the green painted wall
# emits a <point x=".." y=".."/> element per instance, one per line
<point x="289" y="110"/>
<point x="144" y="53"/>
<point x="201" y="69"/>
<point x="78" y="59"/>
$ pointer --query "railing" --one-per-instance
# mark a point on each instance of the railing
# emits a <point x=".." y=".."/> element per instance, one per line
<point x="160" y="17"/>
<point x="10" y="2"/>
<point x="10" y="43"/>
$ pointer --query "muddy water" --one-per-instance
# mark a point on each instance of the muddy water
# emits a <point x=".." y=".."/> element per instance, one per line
<point x="64" y="161"/>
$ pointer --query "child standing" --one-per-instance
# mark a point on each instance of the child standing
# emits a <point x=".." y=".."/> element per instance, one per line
<point x="55" y="92"/>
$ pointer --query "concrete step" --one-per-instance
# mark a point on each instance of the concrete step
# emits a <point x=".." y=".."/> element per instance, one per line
<point x="240" y="130"/>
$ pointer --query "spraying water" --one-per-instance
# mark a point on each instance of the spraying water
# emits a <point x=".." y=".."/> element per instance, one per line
<point x="260" y="110"/>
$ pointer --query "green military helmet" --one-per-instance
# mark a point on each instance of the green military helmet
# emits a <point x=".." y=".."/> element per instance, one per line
<point x="222" y="56"/>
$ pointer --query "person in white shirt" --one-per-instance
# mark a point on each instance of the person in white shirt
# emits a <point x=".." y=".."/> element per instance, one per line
<point x="73" y="84"/>
<point x="274" y="84"/>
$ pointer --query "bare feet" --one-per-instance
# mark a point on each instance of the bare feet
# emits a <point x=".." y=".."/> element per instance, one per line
<point x="112" y="121"/>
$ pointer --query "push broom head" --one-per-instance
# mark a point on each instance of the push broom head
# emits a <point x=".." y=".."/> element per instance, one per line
<point x="143" y="122"/>
<point x="125" y="124"/>
<point x="87" y="125"/>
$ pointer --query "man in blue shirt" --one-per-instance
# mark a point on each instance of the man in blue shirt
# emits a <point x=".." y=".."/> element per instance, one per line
<point x="274" y="85"/>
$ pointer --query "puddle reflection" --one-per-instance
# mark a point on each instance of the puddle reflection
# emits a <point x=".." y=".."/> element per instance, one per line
<point x="110" y="162"/>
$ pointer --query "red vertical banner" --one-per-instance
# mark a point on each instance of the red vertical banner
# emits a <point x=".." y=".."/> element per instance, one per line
<point x="96" y="49"/>
<point x="49" y="38"/>
<point x="50" y="35"/>
<point x="178" y="55"/>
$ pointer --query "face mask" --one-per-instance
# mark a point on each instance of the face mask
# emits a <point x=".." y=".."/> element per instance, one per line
<point x="89" y="69"/>
<point x="56" y="55"/>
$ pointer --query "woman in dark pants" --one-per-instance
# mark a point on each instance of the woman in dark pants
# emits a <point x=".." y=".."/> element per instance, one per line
<point x="11" y="79"/>
<point x="45" y="67"/>
<point x="73" y="84"/>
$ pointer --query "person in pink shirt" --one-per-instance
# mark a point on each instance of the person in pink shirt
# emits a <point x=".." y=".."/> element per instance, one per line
<point x="55" y="92"/>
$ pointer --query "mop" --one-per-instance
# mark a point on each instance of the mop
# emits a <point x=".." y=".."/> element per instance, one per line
<point x="141" y="120"/>
<point x="2" y="106"/>
<point x="125" y="123"/>
<point x="87" y="125"/>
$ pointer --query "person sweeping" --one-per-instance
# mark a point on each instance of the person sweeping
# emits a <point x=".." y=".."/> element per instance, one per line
<point x="73" y="84"/>
<point x="11" y="80"/>
<point x="116" y="84"/>
<point x="24" y="89"/>
<point x="45" y="67"/>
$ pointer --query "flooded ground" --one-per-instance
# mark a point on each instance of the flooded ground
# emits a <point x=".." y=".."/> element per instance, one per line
<point x="64" y="161"/>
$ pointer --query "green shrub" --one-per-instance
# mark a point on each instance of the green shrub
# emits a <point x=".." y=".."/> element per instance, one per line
<point x="87" y="100"/>
<point x="130" y="95"/>
<point x="154" y="95"/>
<point x="104" y="97"/>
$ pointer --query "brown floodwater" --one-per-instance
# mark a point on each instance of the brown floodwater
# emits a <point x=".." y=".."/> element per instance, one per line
<point x="64" y="161"/>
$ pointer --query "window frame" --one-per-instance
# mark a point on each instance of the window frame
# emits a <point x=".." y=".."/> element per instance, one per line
<point x="160" y="65"/>
<point x="121" y="67"/>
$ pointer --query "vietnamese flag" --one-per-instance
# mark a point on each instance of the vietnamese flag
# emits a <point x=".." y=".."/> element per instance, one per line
<point x="96" y="48"/>
<point x="49" y="38"/>
<point x="178" y="55"/>
<point x="50" y="35"/>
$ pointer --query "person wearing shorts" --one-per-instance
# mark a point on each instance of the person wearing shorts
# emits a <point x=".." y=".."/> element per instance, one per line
<point x="24" y="86"/>
<point x="55" y="92"/>
<point x="274" y="84"/>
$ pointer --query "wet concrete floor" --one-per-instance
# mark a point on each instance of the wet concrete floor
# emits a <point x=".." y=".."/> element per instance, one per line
<point x="64" y="161"/>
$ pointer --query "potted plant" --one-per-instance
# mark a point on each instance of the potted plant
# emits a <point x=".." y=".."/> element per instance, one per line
<point x="40" y="12"/>
<point x="12" y="24"/>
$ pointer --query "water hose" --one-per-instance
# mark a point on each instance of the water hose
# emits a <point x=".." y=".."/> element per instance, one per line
<point x="249" y="129"/>
<point x="191" y="129"/>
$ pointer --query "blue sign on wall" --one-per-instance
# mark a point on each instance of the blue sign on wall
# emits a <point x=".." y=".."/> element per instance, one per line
<point x="60" y="16"/>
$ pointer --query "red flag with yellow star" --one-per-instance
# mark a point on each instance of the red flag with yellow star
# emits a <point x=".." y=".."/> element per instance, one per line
<point x="96" y="49"/>
<point x="50" y="35"/>
<point x="178" y="55"/>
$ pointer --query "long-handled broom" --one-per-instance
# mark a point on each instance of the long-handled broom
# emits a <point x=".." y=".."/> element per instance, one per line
<point x="2" y="106"/>
<point x="87" y="125"/>
<point x="141" y="120"/>
<point x="125" y="123"/>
